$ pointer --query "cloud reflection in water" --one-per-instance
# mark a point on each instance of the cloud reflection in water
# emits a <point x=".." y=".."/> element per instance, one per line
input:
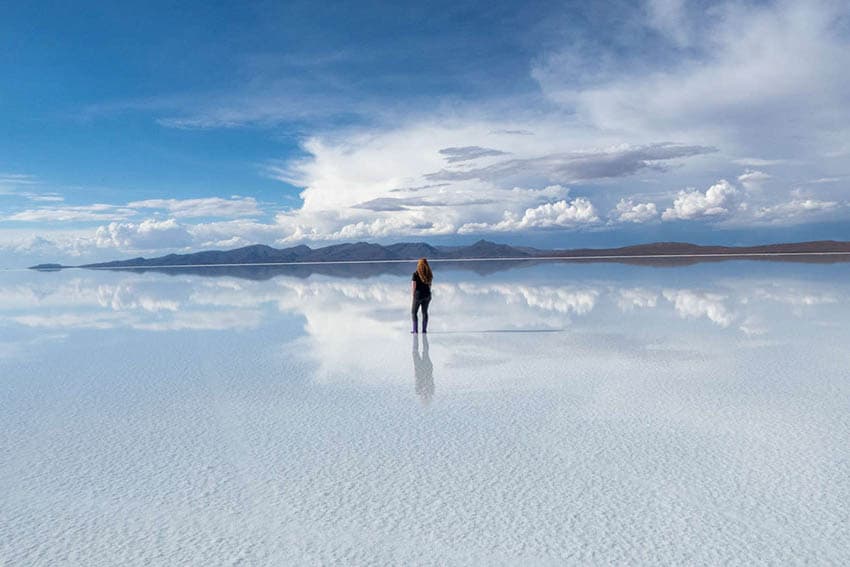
<point x="353" y="330"/>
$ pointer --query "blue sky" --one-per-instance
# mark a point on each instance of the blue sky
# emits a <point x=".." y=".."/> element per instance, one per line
<point x="141" y="130"/>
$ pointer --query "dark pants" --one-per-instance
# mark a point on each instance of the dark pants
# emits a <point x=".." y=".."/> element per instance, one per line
<point x="414" y="311"/>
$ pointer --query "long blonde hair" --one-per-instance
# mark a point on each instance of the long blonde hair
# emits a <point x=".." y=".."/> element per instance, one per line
<point x="424" y="271"/>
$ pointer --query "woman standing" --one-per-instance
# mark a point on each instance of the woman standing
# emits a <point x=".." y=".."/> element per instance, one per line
<point x="420" y="287"/>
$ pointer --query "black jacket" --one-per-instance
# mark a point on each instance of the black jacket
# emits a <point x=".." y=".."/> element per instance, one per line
<point x="423" y="290"/>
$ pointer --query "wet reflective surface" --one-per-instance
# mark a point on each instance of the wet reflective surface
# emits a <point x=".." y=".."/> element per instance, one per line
<point x="554" y="413"/>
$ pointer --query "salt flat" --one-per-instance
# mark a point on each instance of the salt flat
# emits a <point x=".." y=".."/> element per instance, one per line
<point x="556" y="414"/>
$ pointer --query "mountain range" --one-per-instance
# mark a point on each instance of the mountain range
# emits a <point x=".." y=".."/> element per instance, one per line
<point x="483" y="249"/>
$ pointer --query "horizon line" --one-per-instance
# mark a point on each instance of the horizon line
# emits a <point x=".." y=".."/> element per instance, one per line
<point x="507" y="259"/>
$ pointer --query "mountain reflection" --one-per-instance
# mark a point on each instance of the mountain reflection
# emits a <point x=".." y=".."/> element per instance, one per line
<point x="351" y="270"/>
<point x="363" y="270"/>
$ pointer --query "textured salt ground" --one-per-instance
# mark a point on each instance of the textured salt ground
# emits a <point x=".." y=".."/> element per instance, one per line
<point x="666" y="436"/>
<point x="211" y="462"/>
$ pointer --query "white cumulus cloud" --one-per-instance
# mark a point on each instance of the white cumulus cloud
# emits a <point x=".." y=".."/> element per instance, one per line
<point x="752" y="179"/>
<point x="560" y="214"/>
<point x="795" y="208"/>
<point x="629" y="211"/>
<point x="147" y="235"/>
<point x="718" y="200"/>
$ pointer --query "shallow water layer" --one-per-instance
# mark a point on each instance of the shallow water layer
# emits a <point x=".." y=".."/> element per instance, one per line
<point x="555" y="413"/>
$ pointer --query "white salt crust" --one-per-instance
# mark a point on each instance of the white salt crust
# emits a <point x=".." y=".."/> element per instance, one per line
<point x="664" y="417"/>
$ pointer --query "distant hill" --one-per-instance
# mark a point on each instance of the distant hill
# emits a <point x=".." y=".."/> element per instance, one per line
<point x="483" y="249"/>
<point x="684" y="248"/>
<point x="357" y="251"/>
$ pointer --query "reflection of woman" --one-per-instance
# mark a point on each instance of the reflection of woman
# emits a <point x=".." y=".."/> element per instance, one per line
<point x="423" y="371"/>
<point x="420" y="286"/>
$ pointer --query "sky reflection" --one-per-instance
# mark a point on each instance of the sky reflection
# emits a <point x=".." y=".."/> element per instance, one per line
<point x="352" y="330"/>
<point x="560" y="410"/>
<point x="470" y="303"/>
